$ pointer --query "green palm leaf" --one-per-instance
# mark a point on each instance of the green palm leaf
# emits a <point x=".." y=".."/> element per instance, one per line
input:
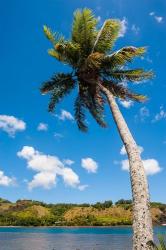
<point x="79" y="113"/>
<point x="59" y="85"/>
<point x="84" y="30"/>
<point x="53" y="37"/>
<point x="87" y="54"/>
<point x="107" y="36"/>
<point x="122" y="56"/>
<point x="134" y="75"/>
<point x="122" y="92"/>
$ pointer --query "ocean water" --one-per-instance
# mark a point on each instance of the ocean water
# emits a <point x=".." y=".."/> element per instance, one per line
<point x="112" y="238"/>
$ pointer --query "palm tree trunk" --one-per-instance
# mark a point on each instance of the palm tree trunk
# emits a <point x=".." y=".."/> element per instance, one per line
<point x="142" y="222"/>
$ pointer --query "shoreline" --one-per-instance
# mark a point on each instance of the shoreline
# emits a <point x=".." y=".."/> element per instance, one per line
<point x="117" y="226"/>
<point x="65" y="226"/>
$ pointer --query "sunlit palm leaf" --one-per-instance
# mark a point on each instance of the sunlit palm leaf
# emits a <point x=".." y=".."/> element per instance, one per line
<point x="135" y="75"/>
<point x="122" y="56"/>
<point x="107" y="36"/>
<point x="84" y="30"/>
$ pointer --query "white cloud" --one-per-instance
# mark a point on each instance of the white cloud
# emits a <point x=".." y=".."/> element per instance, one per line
<point x="144" y="112"/>
<point x="123" y="150"/>
<point x="151" y="166"/>
<point x="48" y="168"/>
<point x="123" y="27"/>
<point x="126" y="104"/>
<point x="65" y="115"/>
<point x="159" y="19"/>
<point x="161" y="115"/>
<point x="42" y="127"/>
<point x="68" y="162"/>
<point x="99" y="18"/>
<point x="89" y="164"/>
<point x="83" y="187"/>
<point x="58" y="135"/>
<point x="135" y="29"/>
<point x="5" y="180"/>
<point x="11" y="124"/>
<point x="46" y="180"/>
<point x="70" y="177"/>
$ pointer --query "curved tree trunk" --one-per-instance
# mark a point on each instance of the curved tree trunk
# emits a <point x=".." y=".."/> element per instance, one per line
<point x="142" y="222"/>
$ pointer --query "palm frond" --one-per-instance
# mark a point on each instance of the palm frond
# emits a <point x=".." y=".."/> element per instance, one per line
<point x="69" y="52"/>
<point x="56" y="55"/>
<point x="79" y="113"/>
<point x="66" y="52"/>
<point x="96" y="110"/>
<point x="122" y="92"/>
<point x="133" y="75"/>
<point x="94" y="102"/>
<point x="84" y="30"/>
<point x="107" y="36"/>
<point x="53" y="37"/>
<point x="93" y="61"/>
<point x="59" y="86"/>
<point x="122" y="56"/>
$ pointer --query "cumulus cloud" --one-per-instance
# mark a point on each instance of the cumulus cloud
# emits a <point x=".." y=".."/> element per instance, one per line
<point x="5" y="180"/>
<point x="48" y="168"/>
<point x="158" y="19"/>
<point x="89" y="164"/>
<point x="11" y="125"/>
<point x="123" y="27"/>
<point x="43" y="179"/>
<point x="151" y="165"/>
<point x="65" y="115"/>
<point x="42" y="126"/>
<point x="126" y="104"/>
<point x="160" y="116"/>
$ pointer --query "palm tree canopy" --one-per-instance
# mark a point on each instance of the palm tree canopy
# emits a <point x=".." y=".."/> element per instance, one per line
<point x="89" y="53"/>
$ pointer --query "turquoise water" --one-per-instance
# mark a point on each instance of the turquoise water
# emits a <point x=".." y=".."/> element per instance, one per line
<point x="59" y="238"/>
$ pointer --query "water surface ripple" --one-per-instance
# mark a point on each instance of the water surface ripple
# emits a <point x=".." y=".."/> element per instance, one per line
<point x="112" y="238"/>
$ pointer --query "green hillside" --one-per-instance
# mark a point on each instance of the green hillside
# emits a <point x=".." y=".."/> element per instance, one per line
<point x="35" y="213"/>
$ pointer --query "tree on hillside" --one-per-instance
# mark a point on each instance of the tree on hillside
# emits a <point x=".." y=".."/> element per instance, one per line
<point x="98" y="73"/>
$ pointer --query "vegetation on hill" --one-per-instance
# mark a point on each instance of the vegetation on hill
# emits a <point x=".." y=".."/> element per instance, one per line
<point x="36" y="213"/>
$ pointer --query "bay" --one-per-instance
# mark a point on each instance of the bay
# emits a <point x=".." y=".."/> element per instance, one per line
<point x="68" y="238"/>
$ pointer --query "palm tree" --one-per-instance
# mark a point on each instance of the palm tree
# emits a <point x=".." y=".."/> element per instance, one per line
<point x="99" y="75"/>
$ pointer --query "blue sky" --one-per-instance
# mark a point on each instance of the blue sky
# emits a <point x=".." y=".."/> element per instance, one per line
<point x="35" y="145"/>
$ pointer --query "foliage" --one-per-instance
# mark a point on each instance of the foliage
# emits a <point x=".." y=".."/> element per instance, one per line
<point x="36" y="213"/>
<point x="103" y="205"/>
<point x="89" y="53"/>
<point x="161" y="246"/>
<point x="122" y="201"/>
